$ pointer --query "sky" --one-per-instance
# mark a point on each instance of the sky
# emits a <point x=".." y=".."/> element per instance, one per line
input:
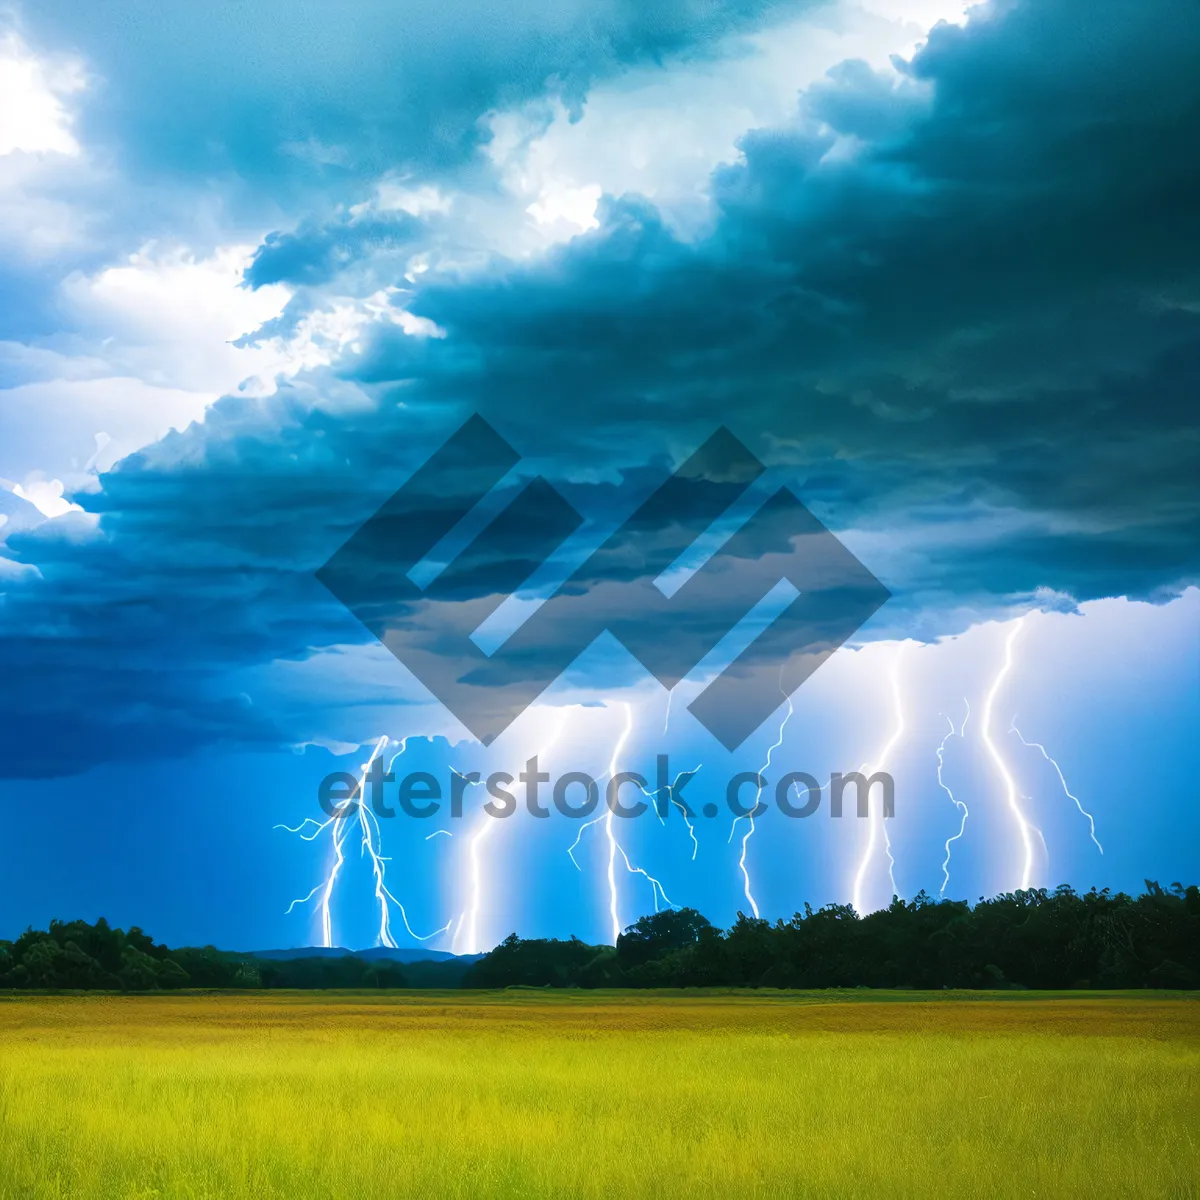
<point x="936" y="266"/>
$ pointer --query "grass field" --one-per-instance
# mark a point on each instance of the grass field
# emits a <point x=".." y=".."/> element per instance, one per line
<point x="591" y="1094"/>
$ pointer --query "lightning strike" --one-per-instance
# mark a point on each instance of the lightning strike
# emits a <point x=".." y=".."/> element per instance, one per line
<point x="1011" y="795"/>
<point x="614" y="847"/>
<point x="1062" y="780"/>
<point x="875" y="814"/>
<point x="959" y="804"/>
<point x="750" y="826"/>
<point x="479" y="841"/>
<point x="370" y="833"/>
<point x="683" y="812"/>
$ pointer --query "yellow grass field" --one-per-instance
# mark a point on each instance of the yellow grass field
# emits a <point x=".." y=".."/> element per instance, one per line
<point x="599" y="1094"/>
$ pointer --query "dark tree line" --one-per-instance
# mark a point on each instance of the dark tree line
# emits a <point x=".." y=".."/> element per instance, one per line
<point x="74" y="954"/>
<point x="1035" y="939"/>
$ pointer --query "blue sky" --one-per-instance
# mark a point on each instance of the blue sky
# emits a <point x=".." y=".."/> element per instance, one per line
<point x="937" y="268"/>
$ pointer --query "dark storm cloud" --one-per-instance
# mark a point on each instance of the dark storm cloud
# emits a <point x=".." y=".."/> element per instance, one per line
<point x="316" y="253"/>
<point x="126" y="641"/>
<point x="981" y="279"/>
<point x="300" y="94"/>
<point x="960" y="306"/>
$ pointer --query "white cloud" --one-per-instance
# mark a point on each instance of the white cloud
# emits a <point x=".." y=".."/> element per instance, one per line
<point x="151" y="349"/>
<point x="655" y="131"/>
<point x="574" y="205"/>
<point x="33" y="116"/>
<point x="46" y="495"/>
<point x="392" y="195"/>
<point x="42" y="167"/>
<point x="660" y="133"/>
<point x="57" y="425"/>
<point x="923" y="14"/>
<point x="40" y="212"/>
<point x="169" y="318"/>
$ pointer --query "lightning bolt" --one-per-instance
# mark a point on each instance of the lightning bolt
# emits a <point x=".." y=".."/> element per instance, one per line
<point x="962" y="808"/>
<point x="875" y="814"/>
<point x="1011" y="795"/>
<point x="1062" y="780"/>
<point x="750" y="819"/>
<point x="478" y="842"/>
<point x="614" y="846"/>
<point x="474" y="847"/>
<point x="370" y="833"/>
<point x="683" y="812"/>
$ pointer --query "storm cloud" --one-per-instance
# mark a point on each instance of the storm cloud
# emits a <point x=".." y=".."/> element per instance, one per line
<point x="955" y="305"/>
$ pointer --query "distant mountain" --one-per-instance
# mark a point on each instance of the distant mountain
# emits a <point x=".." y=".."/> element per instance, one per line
<point x="403" y="955"/>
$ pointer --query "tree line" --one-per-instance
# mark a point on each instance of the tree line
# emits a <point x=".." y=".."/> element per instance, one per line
<point x="77" y="955"/>
<point x="1036" y="939"/>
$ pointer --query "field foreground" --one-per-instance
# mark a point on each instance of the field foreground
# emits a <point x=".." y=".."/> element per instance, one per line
<point x="585" y="1093"/>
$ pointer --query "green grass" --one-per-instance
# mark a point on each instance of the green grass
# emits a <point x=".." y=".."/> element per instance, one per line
<point x="592" y="1094"/>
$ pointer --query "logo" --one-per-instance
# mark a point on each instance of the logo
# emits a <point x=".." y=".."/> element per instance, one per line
<point x="781" y="555"/>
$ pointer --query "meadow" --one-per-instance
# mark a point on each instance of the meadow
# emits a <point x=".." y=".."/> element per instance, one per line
<point x="527" y="1093"/>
